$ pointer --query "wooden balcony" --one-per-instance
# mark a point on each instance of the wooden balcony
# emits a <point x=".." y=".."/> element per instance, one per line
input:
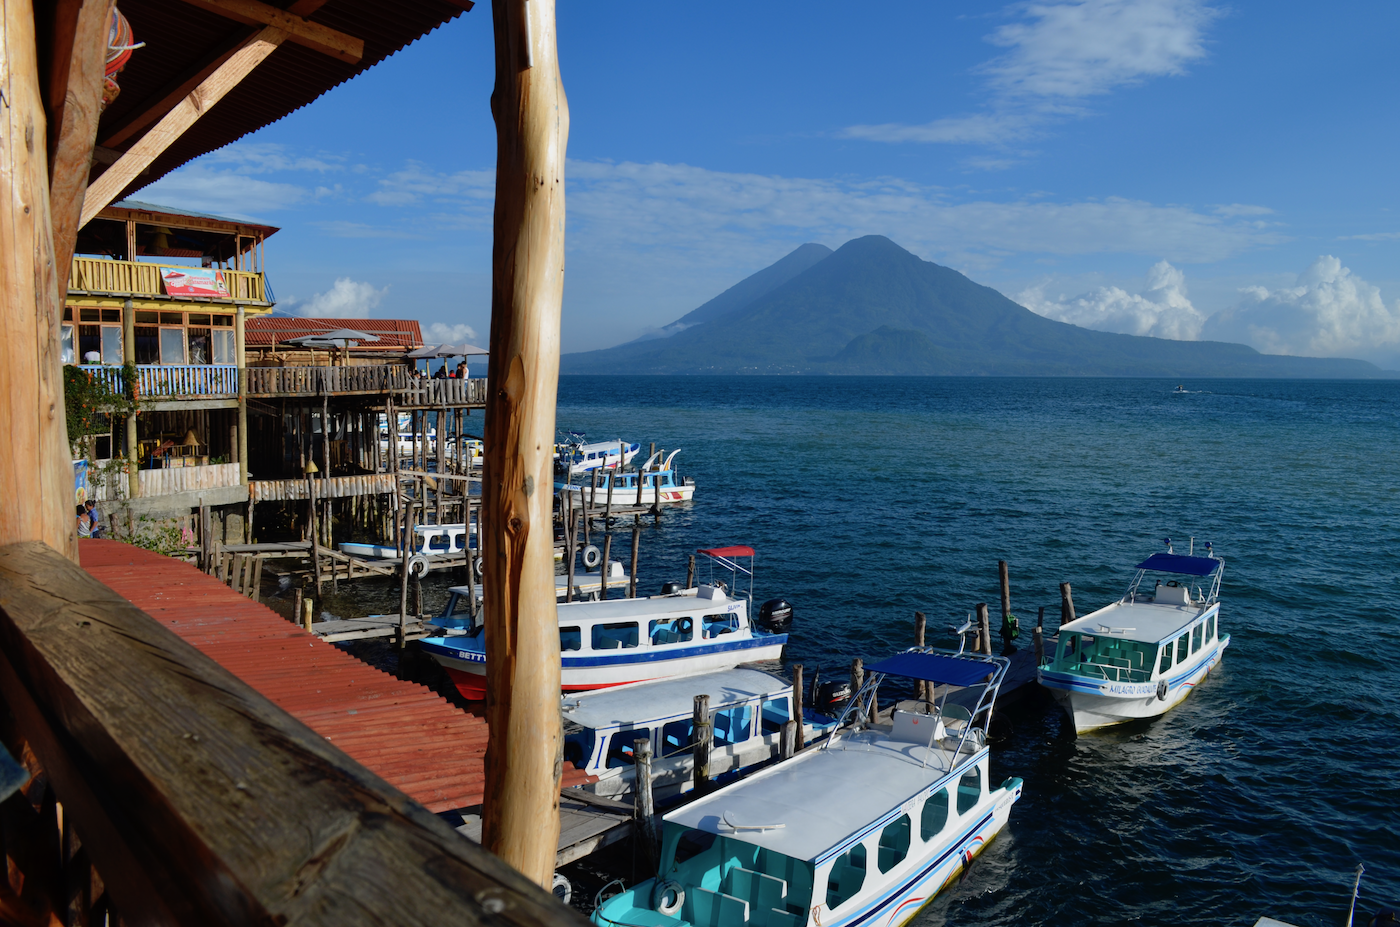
<point x="103" y="276"/>
<point x="319" y="381"/>
<point x="435" y="393"/>
<point x="159" y="381"/>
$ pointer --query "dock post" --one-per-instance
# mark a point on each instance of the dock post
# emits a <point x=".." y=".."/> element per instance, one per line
<point x="607" y="512"/>
<point x="606" y="566"/>
<point x="588" y="504"/>
<point x="704" y="741"/>
<point x="1005" y="589"/>
<point x="1066" y="604"/>
<point x="690" y="573"/>
<point x="1039" y="637"/>
<point x="984" y="629"/>
<point x="798" y="700"/>
<point x="787" y="740"/>
<point x="296" y="604"/>
<point x="857" y="680"/>
<point x="308" y="612"/>
<point x="645" y="810"/>
<point x="636" y="542"/>
<point x="571" y="547"/>
<point x="315" y="546"/>
<point x="204" y="532"/>
<point x="921" y="688"/>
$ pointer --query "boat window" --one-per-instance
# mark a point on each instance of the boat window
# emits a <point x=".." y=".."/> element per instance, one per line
<point x="1068" y="648"/>
<point x="715" y="625"/>
<point x="732" y="725"/>
<point x="1214" y="630"/>
<point x="847" y="876"/>
<point x="775" y="714"/>
<point x="620" y="746"/>
<point x="693" y="843"/>
<point x="1197" y="633"/>
<point x="935" y="815"/>
<point x="894" y="843"/>
<point x="677" y="737"/>
<point x="578" y="746"/>
<point x="614" y="636"/>
<point x="1181" y="652"/>
<point x="1166" y="662"/>
<point x="969" y="790"/>
<point x="570" y="639"/>
<point x="671" y="630"/>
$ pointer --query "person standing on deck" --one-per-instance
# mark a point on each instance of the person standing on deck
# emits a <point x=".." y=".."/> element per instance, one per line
<point x="94" y="518"/>
<point x="84" y="522"/>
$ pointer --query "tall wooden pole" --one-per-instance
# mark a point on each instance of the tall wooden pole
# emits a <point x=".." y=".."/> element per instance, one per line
<point x="523" y="756"/>
<point x="36" y="471"/>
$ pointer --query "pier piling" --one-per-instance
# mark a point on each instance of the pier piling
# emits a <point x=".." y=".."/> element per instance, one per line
<point x="645" y="813"/>
<point x="1039" y="637"/>
<point x="690" y="573"/>
<point x="704" y="743"/>
<point x="798" y="701"/>
<point x="787" y="740"/>
<point x="1066" y="604"/>
<point x="636" y="542"/>
<point x="921" y="688"/>
<point x="984" y="629"/>
<point x="857" y="680"/>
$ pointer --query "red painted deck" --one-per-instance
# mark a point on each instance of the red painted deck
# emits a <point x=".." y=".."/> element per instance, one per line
<point x="407" y="734"/>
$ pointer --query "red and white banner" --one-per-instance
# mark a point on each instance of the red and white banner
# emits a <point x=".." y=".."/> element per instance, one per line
<point x="194" y="281"/>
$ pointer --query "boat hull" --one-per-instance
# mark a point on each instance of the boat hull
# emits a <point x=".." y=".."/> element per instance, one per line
<point x="1094" y="704"/>
<point x="628" y="495"/>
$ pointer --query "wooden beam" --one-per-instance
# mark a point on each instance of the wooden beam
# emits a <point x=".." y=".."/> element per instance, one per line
<point x="198" y="102"/>
<point x="315" y="36"/>
<point x="521" y="813"/>
<point x="74" y="105"/>
<point x="36" y="470"/>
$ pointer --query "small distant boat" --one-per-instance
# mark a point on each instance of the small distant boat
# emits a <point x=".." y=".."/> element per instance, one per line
<point x="574" y="457"/>
<point x="748" y="709"/>
<point x="654" y="482"/>
<point x="431" y="540"/>
<point x="1143" y="654"/>
<point x="618" y="641"/>
<point x="864" y="830"/>
<point x="1181" y="389"/>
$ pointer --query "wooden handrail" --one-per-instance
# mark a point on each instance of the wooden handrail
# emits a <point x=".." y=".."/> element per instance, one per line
<point x="201" y="802"/>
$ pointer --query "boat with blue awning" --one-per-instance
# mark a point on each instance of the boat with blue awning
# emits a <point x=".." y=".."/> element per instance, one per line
<point x="1141" y="655"/>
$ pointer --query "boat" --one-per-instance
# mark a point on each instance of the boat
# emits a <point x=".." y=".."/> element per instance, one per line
<point x="865" y="829"/>
<point x="430" y="540"/>
<point x="455" y="618"/>
<point x="1385" y="916"/>
<point x="1142" y="655"/>
<point x="613" y="642"/>
<point x="748" y="709"/>
<point x="654" y="482"/>
<point x="573" y="457"/>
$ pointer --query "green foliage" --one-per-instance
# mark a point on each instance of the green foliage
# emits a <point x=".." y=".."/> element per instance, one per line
<point x="161" y="536"/>
<point x="87" y="400"/>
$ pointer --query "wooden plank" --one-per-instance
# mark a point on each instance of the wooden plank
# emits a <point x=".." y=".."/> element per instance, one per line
<point x="520" y="818"/>
<point x="36" y="470"/>
<point x="323" y="39"/>
<point x="201" y="802"/>
<point x="174" y="123"/>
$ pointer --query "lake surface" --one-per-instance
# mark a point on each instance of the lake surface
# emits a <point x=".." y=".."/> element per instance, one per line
<point x="870" y="498"/>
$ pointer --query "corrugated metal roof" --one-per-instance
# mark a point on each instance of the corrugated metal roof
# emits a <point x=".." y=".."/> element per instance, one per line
<point x="265" y="331"/>
<point x="139" y="206"/>
<point x="407" y="734"/>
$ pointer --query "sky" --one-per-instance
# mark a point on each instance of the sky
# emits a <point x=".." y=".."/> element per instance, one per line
<point x="1179" y="168"/>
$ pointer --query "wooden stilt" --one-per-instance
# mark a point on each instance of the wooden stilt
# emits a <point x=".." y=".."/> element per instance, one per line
<point x="703" y="737"/>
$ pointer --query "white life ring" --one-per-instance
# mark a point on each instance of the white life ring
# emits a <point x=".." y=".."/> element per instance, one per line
<point x="419" y="565"/>
<point x="562" y="889"/>
<point x="592" y="556"/>
<point x="480" y="568"/>
<point x="659" y="895"/>
<point x="1162" y="690"/>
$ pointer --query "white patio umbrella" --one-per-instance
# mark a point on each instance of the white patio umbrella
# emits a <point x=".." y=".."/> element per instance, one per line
<point x="459" y="350"/>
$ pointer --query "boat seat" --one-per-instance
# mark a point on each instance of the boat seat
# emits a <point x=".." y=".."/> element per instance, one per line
<point x="664" y="636"/>
<point x="1172" y="595"/>
<point x="603" y="642"/>
<point x="916" y="727"/>
<point x="762" y="892"/>
<point x="777" y="918"/>
<point x="705" y="908"/>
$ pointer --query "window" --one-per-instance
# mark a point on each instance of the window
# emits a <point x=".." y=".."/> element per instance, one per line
<point x="89" y="315"/>
<point x="578" y="746"/>
<point x="1181" y="652"/>
<point x="693" y="843"/>
<point x="224" y="344"/>
<point x="969" y="790"/>
<point x="570" y="639"/>
<point x="774" y="715"/>
<point x="671" y="630"/>
<point x="620" y="747"/>
<point x="1197" y="633"/>
<point x="732" y="725"/>
<point x="199" y="319"/>
<point x="147" y="343"/>
<point x="1069" y="647"/>
<point x="847" y="876"/>
<point x="89" y="344"/>
<point x="201" y="349"/>
<point x="111" y="345"/>
<point x="1165" y="663"/>
<point x="68" y="344"/>
<point x="894" y="843"/>
<point x="223" y="320"/>
<point x="172" y="318"/>
<point x="172" y="345"/>
<point x="715" y="625"/>
<point x="147" y="318"/>
<point x="935" y="815"/>
<point x="1214" y="630"/>
<point x="677" y="737"/>
<point x="614" y="636"/>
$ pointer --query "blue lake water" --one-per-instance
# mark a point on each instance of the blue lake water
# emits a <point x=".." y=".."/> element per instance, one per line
<point x="870" y="498"/>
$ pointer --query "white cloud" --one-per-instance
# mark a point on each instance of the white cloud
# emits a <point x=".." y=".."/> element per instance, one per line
<point x="416" y="182"/>
<point x="225" y="193"/>
<point x="443" y="333"/>
<point x="1163" y="310"/>
<point x="347" y="299"/>
<point x="978" y="129"/>
<point x="1329" y="312"/>
<point x="264" y="157"/>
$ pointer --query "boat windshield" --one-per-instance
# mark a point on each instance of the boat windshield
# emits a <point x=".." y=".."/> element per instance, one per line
<point x="716" y="870"/>
<point x="1106" y="657"/>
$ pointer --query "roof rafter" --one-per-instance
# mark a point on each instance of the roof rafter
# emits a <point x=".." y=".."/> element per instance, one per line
<point x="299" y="30"/>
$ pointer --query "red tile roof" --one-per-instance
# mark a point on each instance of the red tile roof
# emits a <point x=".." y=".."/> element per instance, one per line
<point x="265" y="331"/>
<point x="414" y="739"/>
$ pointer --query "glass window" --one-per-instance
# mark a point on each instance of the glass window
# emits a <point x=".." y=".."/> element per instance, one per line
<point x="1197" y="633"/>
<point x="677" y="737"/>
<point x="111" y="315"/>
<point x="693" y="843"/>
<point x="775" y="714"/>
<point x="224" y="345"/>
<point x="1181" y="652"/>
<point x="149" y="318"/>
<point x="68" y="344"/>
<point x="847" y="876"/>
<point x="224" y="320"/>
<point x="199" y="319"/>
<point x="1214" y="630"/>
<point x="172" y="345"/>
<point x="147" y="343"/>
<point x="894" y="843"/>
<point x="614" y="636"/>
<point x="1166" y="661"/>
<point x="201" y="350"/>
<point x="90" y="315"/>
<point x="111" y="345"/>
<point x="732" y="725"/>
<point x="935" y="815"/>
<point x="715" y="625"/>
<point x="671" y="630"/>
<point x="570" y="639"/>
<point x="578" y="746"/>
<point x="172" y="318"/>
<point x="89" y="344"/>
<point x="620" y="747"/>
<point x="969" y="790"/>
<point x="68" y="314"/>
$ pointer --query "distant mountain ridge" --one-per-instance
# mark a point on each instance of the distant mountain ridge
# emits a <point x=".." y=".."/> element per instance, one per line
<point x="871" y="307"/>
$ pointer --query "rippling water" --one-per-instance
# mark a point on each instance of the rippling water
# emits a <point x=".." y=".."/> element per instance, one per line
<point x="870" y="498"/>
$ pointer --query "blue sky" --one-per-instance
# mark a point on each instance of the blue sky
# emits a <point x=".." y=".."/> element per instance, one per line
<point x="1172" y="167"/>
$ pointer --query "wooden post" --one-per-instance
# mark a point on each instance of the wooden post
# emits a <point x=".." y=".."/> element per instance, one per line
<point x="799" y="700"/>
<point x="297" y="594"/>
<point x="1005" y="589"/>
<point x="133" y="455"/>
<point x="645" y="810"/>
<point x="403" y="573"/>
<point x="703" y="738"/>
<point x="690" y="573"/>
<point x="77" y="53"/>
<point x="588" y="505"/>
<point x="1040" y="637"/>
<point x="205" y="548"/>
<point x="984" y="629"/>
<point x="787" y="739"/>
<point x="857" y="680"/>
<point x="36" y="469"/>
<point x="1066" y="605"/>
<point x="603" y="573"/>
<point x="315" y="544"/>
<point x="240" y="355"/>
<point x="308" y="613"/>
<point x="523" y="756"/>
<point x="571" y="549"/>
<point x="607" y="512"/>
<point x="636" y="543"/>
<point x="921" y="688"/>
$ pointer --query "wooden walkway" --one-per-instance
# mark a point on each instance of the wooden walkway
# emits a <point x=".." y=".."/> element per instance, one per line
<point x="414" y="739"/>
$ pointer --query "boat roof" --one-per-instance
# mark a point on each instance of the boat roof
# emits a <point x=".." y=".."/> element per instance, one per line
<point x="1144" y="622"/>
<point x="1180" y="564"/>
<point x="646" y="702"/>
<point x="658" y="606"/>
<point x="821" y="797"/>
<point x="733" y="551"/>
<point x="962" y="670"/>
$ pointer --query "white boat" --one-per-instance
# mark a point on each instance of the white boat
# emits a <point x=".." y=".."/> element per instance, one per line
<point x="865" y="829"/>
<point x="1143" y="654"/>
<point x="654" y="482"/>
<point x="575" y="457"/>
<point x="430" y="540"/>
<point x="748" y="709"/>
<point x="455" y="618"/>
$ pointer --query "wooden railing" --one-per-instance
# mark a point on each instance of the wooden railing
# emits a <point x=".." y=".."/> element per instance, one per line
<point x="451" y="392"/>
<point x="142" y="278"/>
<point x="317" y="381"/>
<point x="155" y="381"/>
<point x="195" y="799"/>
<point x="187" y="479"/>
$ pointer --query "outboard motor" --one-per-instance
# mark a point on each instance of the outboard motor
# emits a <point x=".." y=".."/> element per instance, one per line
<point x="670" y="588"/>
<point x="832" y="697"/>
<point x="775" y="615"/>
